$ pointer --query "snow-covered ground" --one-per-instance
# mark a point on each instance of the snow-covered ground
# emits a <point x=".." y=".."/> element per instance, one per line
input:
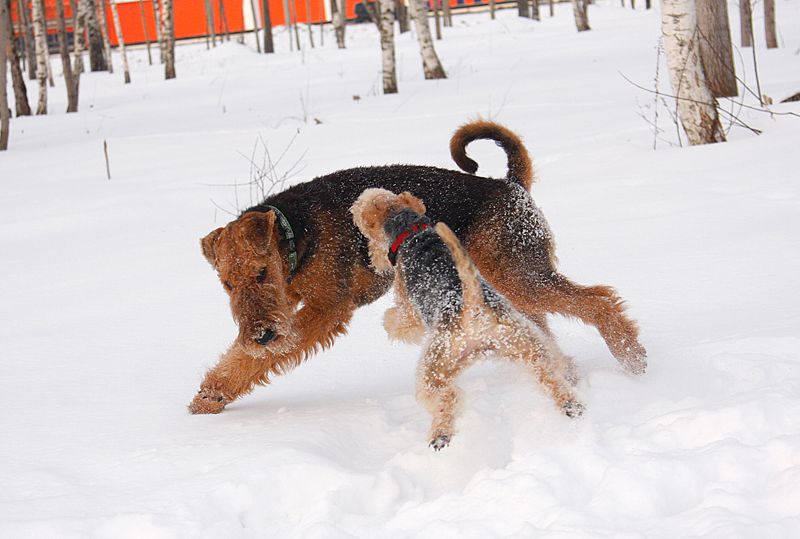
<point x="110" y="315"/>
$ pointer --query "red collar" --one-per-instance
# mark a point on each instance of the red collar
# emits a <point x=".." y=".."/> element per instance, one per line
<point x="403" y="236"/>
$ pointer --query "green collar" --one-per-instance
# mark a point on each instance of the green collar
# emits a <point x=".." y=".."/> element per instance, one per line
<point x="288" y="235"/>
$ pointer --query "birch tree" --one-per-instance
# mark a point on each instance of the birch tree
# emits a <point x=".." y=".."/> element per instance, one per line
<point x="40" y="42"/>
<point x="101" y="16"/>
<point x="97" y="59"/>
<point x="523" y="10"/>
<point x="168" y="38"/>
<point x="79" y="40"/>
<point x="30" y="47"/>
<point x="402" y="15"/>
<point x="746" y="23"/>
<point x="308" y="23"/>
<point x="696" y="106"/>
<point x="716" y="50"/>
<point x="269" y="45"/>
<point x="4" y="36"/>
<point x="255" y="24"/>
<point x="120" y="40"/>
<point x="337" y="18"/>
<point x="157" y="20"/>
<point x="769" y="24"/>
<point x="146" y="33"/>
<point x="17" y="78"/>
<point x="223" y="21"/>
<point x="69" y="78"/>
<point x="431" y="66"/>
<point x="384" y="19"/>
<point x="580" y="10"/>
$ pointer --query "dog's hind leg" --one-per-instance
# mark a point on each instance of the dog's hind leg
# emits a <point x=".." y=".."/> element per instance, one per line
<point x="436" y="390"/>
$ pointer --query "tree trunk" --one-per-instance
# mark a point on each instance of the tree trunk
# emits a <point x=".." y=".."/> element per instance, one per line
<point x="436" y="19"/>
<point x="79" y="40"/>
<point x="648" y="4"/>
<point x="157" y="18"/>
<point x="716" y="50"/>
<point x="746" y="23"/>
<point x="120" y="40"/>
<point x="223" y="21"/>
<point x="146" y="33"/>
<point x="552" y="9"/>
<point x="696" y="105"/>
<point x="308" y="23"/>
<point x="17" y="78"/>
<point x="402" y="15"/>
<point x="431" y="65"/>
<point x="255" y="23"/>
<point x="769" y="24"/>
<point x="269" y="45"/>
<point x="4" y="36"/>
<point x="40" y="40"/>
<point x="69" y="78"/>
<point x="581" y="16"/>
<point x="168" y="34"/>
<point x="101" y="16"/>
<point x="209" y="7"/>
<point x="30" y="47"/>
<point x="387" y="47"/>
<point x="447" y="15"/>
<point x="492" y="9"/>
<point x="337" y="17"/>
<point x="50" y="80"/>
<point x="293" y="13"/>
<point x="535" y="15"/>
<point x="97" y="60"/>
<point x="523" y="10"/>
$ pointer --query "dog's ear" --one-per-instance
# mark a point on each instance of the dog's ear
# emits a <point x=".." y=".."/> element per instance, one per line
<point x="258" y="229"/>
<point x="208" y="244"/>
<point x="407" y="199"/>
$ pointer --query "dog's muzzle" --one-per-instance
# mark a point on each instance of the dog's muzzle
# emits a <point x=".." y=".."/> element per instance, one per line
<point x="266" y="337"/>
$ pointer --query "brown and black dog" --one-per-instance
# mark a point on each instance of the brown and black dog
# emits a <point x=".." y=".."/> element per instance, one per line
<point x="296" y="267"/>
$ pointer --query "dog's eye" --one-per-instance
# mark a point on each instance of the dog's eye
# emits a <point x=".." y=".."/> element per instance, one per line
<point x="227" y="285"/>
<point x="262" y="276"/>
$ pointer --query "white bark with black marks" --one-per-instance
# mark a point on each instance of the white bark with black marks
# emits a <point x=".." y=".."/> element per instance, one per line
<point x="387" y="47"/>
<point x="580" y="10"/>
<point x="431" y="66"/>
<point x="101" y="16"/>
<point x="120" y="40"/>
<point x="66" y="64"/>
<point x="168" y="38"/>
<point x="40" y="42"/>
<point x="17" y="78"/>
<point x="696" y="106"/>
<point x="4" y="116"/>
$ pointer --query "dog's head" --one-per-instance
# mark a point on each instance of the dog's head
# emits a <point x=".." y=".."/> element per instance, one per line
<point x="254" y="270"/>
<point x="371" y="211"/>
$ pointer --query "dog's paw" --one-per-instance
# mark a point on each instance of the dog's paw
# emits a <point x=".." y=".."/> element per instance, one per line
<point x="207" y="401"/>
<point x="573" y="408"/>
<point x="440" y="442"/>
<point x="633" y="358"/>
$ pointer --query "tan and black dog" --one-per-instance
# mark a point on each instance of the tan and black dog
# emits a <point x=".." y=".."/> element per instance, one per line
<point x="440" y="295"/>
<point x="295" y="266"/>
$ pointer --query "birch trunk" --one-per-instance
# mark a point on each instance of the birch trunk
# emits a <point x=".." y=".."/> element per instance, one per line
<point x="223" y="21"/>
<point x="402" y="16"/>
<point x="255" y="24"/>
<point x="293" y="13"/>
<point x="338" y="23"/>
<point x="492" y="9"/>
<point x="447" y="14"/>
<point x="769" y="24"/>
<point x="552" y="10"/>
<point x="523" y="8"/>
<point x="209" y="7"/>
<point x="168" y="33"/>
<point x="30" y="47"/>
<point x="50" y="80"/>
<point x="716" y="50"/>
<point x="78" y="41"/>
<point x="17" y="78"/>
<point x="535" y="10"/>
<point x="120" y="40"/>
<point x="308" y="23"/>
<point x="431" y="66"/>
<point x="4" y="36"/>
<point x="746" y="23"/>
<point x="387" y="47"/>
<point x="97" y="60"/>
<point x="101" y="16"/>
<point x="581" y="15"/>
<point x="696" y="106"/>
<point x="40" y="40"/>
<point x="436" y="19"/>
<point x="269" y="45"/>
<point x="157" y="20"/>
<point x="69" y="78"/>
<point x="146" y="33"/>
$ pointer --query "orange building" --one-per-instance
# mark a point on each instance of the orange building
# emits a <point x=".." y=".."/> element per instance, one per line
<point x="190" y="17"/>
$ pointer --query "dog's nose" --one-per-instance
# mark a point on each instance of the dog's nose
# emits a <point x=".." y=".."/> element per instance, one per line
<point x="267" y="337"/>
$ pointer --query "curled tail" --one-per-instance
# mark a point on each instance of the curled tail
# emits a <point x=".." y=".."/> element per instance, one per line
<point x="520" y="168"/>
<point x="467" y="271"/>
